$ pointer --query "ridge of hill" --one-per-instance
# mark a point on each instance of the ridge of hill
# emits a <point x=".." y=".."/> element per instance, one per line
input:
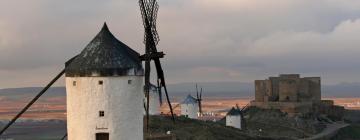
<point x="211" y="89"/>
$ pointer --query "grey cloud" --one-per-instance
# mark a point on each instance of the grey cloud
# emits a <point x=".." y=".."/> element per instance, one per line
<point x="205" y="40"/>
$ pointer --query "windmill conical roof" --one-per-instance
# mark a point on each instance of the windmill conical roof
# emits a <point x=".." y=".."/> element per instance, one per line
<point x="105" y="56"/>
<point x="234" y="112"/>
<point x="189" y="100"/>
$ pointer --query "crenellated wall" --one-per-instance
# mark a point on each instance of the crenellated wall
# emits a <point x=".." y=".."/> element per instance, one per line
<point x="288" y="88"/>
<point x="288" y="92"/>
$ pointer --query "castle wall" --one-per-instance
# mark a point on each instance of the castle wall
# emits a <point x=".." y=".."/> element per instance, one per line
<point x="288" y="107"/>
<point x="275" y="88"/>
<point x="268" y="92"/>
<point x="315" y="88"/>
<point x="304" y="91"/>
<point x="260" y="90"/>
<point x="294" y="95"/>
<point x="327" y="107"/>
<point x="289" y="76"/>
<point x="288" y="91"/>
<point x="288" y="88"/>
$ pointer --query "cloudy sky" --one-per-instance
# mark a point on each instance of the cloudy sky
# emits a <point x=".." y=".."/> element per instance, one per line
<point x="205" y="40"/>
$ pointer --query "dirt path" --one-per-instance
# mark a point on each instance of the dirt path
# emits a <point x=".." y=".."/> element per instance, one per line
<point x="330" y="130"/>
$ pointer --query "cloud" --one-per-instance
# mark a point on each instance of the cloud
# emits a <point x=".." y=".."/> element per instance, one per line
<point x="332" y="55"/>
<point x="342" y="42"/>
<point x="329" y="54"/>
<point x="205" y="40"/>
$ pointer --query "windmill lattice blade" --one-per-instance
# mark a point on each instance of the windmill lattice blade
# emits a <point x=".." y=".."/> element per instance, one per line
<point x="161" y="77"/>
<point x="160" y="92"/>
<point x="32" y="101"/>
<point x="237" y="106"/>
<point x="168" y="100"/>
<point x="145" y="105"/>
<point x="149" y="10"/>
<point x="64" y="137"/>
<point x="197" y="92"/>
<point x="147" y="112"/>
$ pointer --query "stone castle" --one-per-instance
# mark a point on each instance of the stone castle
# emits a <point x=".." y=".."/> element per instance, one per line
<point x="292" y="94"/>
<point x="288" y="88"/>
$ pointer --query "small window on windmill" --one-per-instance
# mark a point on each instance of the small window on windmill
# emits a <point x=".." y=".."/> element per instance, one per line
<point x="101" y="82"/>
<point x="101" y="113"/>
<point x="129" y="82"/>
<point x="74" y="83"/>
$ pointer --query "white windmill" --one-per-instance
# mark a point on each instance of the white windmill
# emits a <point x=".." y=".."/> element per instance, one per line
<point x="233" y="118"/>
<point x="104" y="91"/>
<point x="155" y="100"/>
<point x="189" y="107"/>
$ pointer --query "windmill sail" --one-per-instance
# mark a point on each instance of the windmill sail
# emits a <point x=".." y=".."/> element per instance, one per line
<point x="199" y="98"/>
<point x="149" y="9"/>
<point x="12" y="121"/>
<point x="160" y="93"/>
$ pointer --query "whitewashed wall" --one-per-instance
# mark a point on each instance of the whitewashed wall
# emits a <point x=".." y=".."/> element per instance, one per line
<point x="121" y="102"/>
<point x="233" y="121"/>
<point x="190" y="110"/>
<point x="154" y="103"/>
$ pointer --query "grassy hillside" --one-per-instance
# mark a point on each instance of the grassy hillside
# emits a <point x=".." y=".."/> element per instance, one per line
<point x="189" y="129"/>
<point x="351" y="132"/>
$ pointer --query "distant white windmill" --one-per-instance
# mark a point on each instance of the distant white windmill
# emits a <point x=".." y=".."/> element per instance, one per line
<point x="155" y="100"/>
<point x="189" y="107"/>
<point x="233" y="118"/>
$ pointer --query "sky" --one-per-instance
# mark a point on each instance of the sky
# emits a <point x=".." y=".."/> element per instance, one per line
<point x="204" y="40"/>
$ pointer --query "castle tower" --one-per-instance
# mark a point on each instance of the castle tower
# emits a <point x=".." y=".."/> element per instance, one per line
<point x="104" y="86"/>
<point x="233" y="118"/>
<point x="189" y="107"/>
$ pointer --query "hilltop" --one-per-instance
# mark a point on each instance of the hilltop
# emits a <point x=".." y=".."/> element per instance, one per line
<point x="189" y="129"/>
<point x="260" y="124"/>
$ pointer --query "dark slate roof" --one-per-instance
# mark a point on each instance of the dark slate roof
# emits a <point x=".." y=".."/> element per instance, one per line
<point x="189" y="100"/>
<point x="234" y="112"/>
<point x="105" y="56"/>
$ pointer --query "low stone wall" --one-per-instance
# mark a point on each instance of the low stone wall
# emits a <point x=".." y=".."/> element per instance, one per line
<point x="328" y="108"/>
<point x="292" y="108"/>
<point x="288" y="107"/>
